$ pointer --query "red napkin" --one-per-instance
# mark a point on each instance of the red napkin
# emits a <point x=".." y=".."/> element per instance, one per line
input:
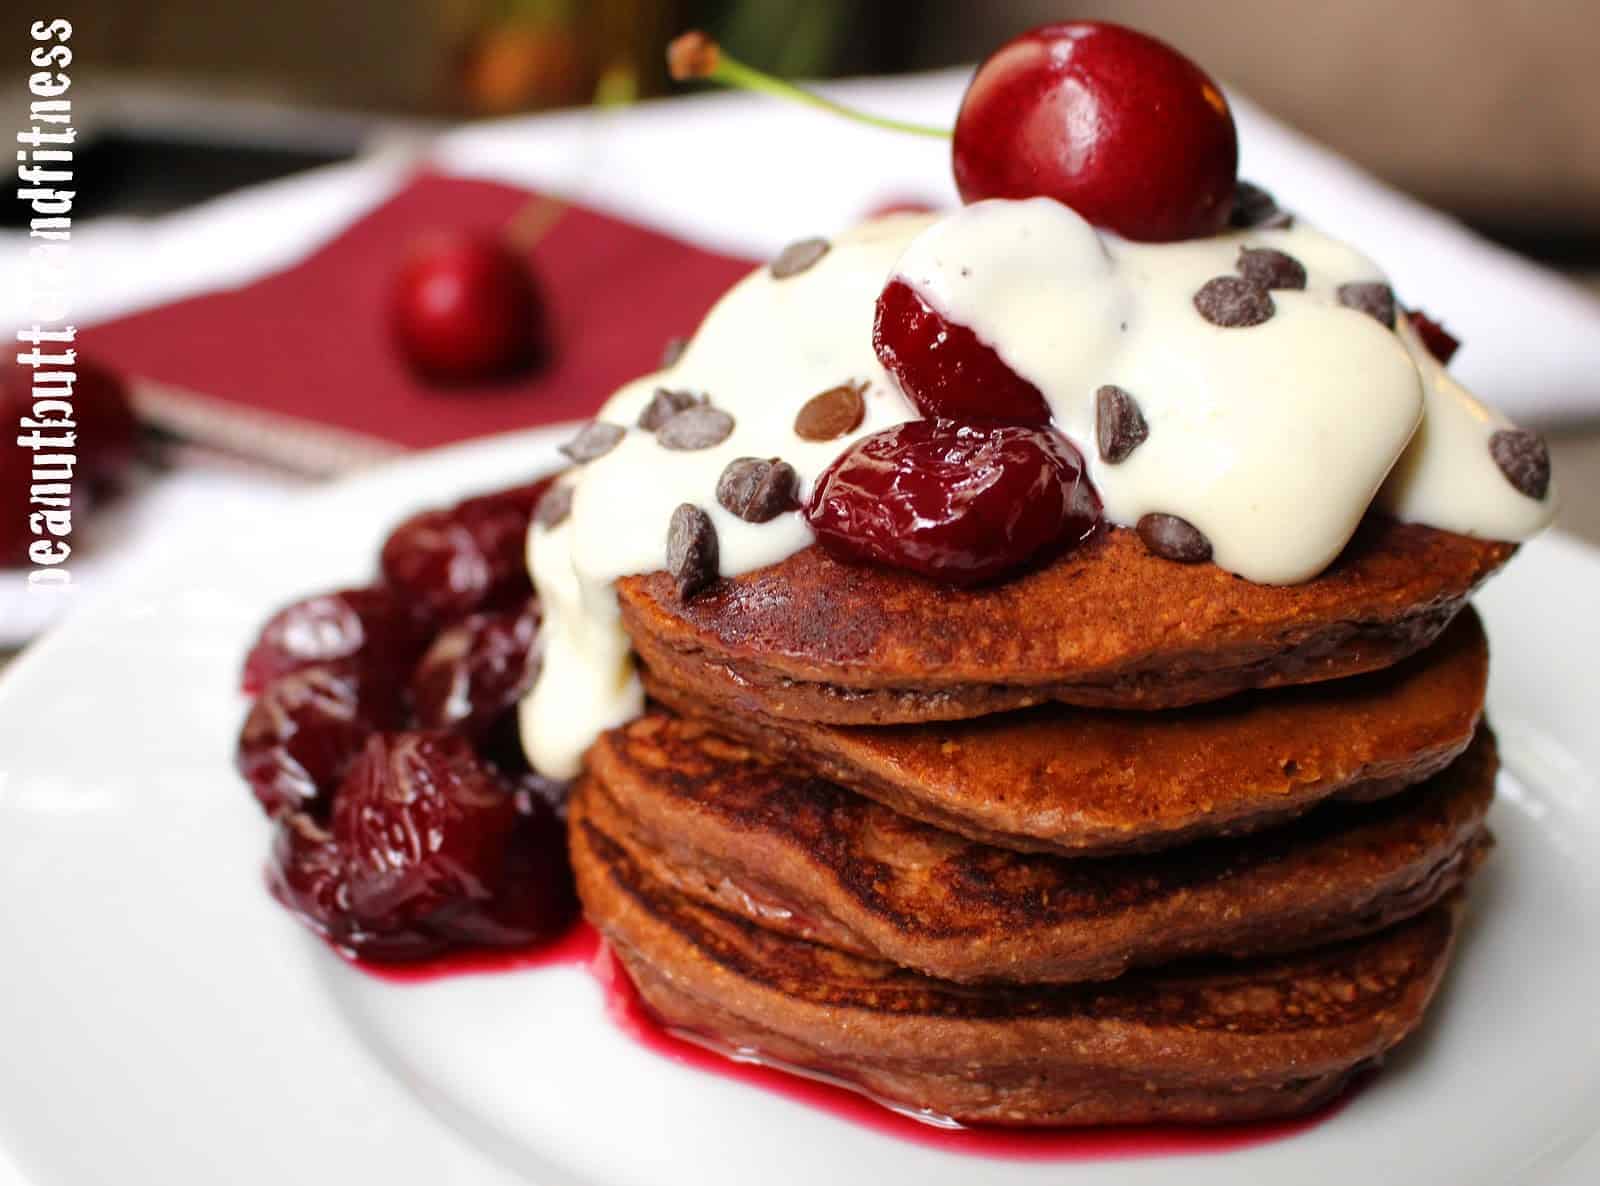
<point x="298" y="367"/>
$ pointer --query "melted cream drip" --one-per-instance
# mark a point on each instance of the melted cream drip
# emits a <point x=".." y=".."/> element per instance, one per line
<point x="1272" y="439"/>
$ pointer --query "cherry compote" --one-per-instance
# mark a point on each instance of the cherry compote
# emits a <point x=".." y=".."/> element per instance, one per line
<point x="944" y="368"/>
<point x="384" y="742"/>
<point x="1119" y="126"/>
<point x="428" y="850"/>
<point x="306" y="728"/>
<point x="373" y="624"/>
<point x="476" y="670"/>
<point x="469" y="557"/>
<point x="962" y="503"/>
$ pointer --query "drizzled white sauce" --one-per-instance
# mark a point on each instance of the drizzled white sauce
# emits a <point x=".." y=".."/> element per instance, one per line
<point x="1446" y="478"/>
<point x="1273" y="440"/>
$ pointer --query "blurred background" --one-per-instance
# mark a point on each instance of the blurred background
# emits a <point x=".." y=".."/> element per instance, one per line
<point x="207" y="312"/>
<point x="1485" y="108"/>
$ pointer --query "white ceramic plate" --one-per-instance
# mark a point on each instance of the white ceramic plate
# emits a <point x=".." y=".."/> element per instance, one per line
<point x="165" y="1023"/>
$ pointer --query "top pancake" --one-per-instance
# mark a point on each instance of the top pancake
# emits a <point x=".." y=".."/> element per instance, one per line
<point x="1107" y="625"/>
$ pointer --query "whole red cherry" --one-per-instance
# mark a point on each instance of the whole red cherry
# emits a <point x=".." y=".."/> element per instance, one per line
<point x="963" y="503"/>
<point x="944" y="368"/>
<point x="1119" y="126"/>
<point x="466" y="308"/>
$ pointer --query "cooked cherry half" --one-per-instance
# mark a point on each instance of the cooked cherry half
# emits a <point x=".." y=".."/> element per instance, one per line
<point x="1119" y="126"/>
<point x="428" y="850"/>
<point x="476" y="670"/>
<point x="1441" y="343"/>
<point x="944" y="368"/>
<point x="453" y="562"/>
<point x="374" y="624"/>
<point x="963" y="503"/>
<point x="466" y="308"/>
<point x="306" y="728"/>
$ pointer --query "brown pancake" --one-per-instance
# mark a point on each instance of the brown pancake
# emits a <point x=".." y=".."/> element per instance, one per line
<point x="1108" y="625"/>
<point x="1082" y="781"/>
<point x="1190" y="1044"/>
<point x="718" y="823"/>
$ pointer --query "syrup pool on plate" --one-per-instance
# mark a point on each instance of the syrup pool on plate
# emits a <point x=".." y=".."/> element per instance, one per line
<point x="582" y="947"/>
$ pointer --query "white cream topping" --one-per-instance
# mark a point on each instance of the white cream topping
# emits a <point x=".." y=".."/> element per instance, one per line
<point x="766" y="348"/>
<point x="1447" y="478"/>
<point x="1273" y="440"/>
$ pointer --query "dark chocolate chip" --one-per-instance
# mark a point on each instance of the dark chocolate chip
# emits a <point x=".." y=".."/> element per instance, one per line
<point x="1173" y="538"/>
<point x="554" y="507"/>
<point x="1255" y="208"/>
<point x="1375" y="300"/>
<point x="595" y="439"/>
<point x="1119" y="425"/>
<point x="797" y="257"/>
<point x="1233" y="302"/>
<point x="1270" y="268"/>
<point x="699" y="427"/>
<point x="1524" y="459"/>
<point x="691" y="550"/>
<point x="672" y="351"/>
<point x="828" y="416"/>
<point x="664" y="405"/>
<point x="758" y="491"/>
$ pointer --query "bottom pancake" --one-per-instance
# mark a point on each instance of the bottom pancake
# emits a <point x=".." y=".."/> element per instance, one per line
<point x="721" y="823"/>
<point x="1189" y="1044"/>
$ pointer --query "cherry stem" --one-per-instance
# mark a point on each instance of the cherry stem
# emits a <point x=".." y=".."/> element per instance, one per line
<point x="693" y="55"/>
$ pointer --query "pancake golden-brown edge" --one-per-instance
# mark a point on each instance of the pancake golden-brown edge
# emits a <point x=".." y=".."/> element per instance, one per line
<point x="1069" y="780"/>
<point x="1184" y="1045"/>
<point x="1105" y="625"/>
<point x="761" y="839"/>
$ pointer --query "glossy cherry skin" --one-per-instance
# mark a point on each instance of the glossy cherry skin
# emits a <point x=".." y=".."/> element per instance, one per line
<point x="428" y="851"/>
<point x="962" y="503"/>
<point x="373" y="624"/>
<point x="944" y="368"/>
<point x="306" y="728"/>
<point x="1120" y="127"/>
<point x="466" y="308"/>
<point x="472" y="556"/>
<point x="476" y="670"/>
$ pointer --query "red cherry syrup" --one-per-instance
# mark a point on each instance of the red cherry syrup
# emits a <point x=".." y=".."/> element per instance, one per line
<point x="582" y="946"/>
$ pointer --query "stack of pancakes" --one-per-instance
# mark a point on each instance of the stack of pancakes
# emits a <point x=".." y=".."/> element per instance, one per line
<point x="1118" y="841"/>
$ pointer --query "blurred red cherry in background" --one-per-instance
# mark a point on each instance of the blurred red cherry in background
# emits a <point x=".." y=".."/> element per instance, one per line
<point x="107" y="442"/>
<point x="466" y="308"/>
